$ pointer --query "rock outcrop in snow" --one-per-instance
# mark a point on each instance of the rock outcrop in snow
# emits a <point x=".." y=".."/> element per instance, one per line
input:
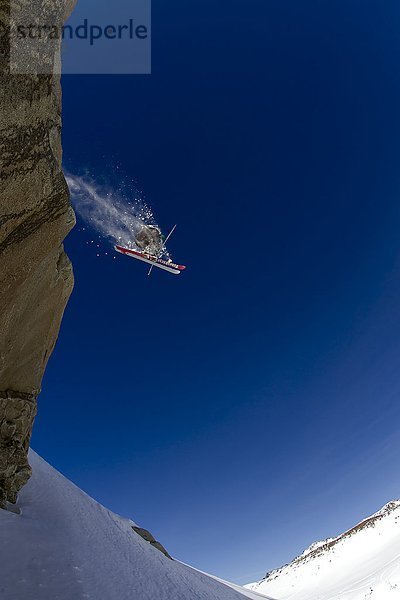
<point x="361" y="564"/>
<point x="35" y="216"/>
<point x="146" y="535"/>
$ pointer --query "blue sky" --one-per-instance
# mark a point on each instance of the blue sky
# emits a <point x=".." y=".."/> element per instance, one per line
<point x="250" y="406"/>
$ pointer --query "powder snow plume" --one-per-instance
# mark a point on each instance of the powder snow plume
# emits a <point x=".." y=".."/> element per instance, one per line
<point x="108" y="211"/>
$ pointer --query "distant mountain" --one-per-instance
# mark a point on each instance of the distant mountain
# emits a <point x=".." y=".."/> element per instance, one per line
<point x="361" y="564"/>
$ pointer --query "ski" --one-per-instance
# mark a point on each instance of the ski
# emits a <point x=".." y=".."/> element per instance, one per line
<point x="152" y="260"/>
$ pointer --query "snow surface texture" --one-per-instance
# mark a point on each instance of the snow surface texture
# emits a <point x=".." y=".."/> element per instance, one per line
<point x="116" y="215"/>
<point x="65" y="546"/>
<point x="361" y="564"/>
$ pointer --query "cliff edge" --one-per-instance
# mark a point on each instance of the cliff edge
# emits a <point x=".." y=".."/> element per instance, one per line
<point x="36" y="276"/>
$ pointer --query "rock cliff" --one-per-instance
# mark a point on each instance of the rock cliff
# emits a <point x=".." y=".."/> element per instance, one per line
<point x="35" y="274"/>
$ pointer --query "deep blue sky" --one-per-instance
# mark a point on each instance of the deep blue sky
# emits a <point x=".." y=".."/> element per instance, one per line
<point x="250" y="406"/>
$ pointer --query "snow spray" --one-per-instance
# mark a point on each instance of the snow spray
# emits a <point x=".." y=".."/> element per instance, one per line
<point x="109" y="211"/>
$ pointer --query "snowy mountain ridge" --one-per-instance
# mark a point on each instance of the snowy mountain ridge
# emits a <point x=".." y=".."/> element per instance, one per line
<point x="57" y="543"/>
<point x="324" y="545"/>
<point x="363" y="563"/>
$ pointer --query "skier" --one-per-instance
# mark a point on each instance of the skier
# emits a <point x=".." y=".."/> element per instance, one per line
<point x="150" y="240"/>
<point x="151" y="244"/>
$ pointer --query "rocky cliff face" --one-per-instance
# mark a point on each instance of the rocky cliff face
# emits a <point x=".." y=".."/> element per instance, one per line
<point x="35" y="274"/>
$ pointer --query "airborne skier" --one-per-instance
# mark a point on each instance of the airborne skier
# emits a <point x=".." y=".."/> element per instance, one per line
<point x="150" y="240"/>
<point x="151" y="244"/>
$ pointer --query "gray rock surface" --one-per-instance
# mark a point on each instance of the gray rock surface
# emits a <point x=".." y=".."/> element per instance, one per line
<point x="148" y="537"/>
<point x="35" y="274"/>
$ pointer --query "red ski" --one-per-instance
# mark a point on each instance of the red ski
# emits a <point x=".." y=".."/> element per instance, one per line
<point x="166" y="265"/>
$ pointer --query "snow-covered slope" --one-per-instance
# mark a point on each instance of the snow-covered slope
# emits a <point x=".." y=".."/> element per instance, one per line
<point x="65" y="546"/>
<point x="361" y="564"/>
